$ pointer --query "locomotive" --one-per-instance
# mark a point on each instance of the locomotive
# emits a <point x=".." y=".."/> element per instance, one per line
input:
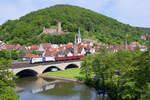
<point x="42" y="59"/>
<point x="52" y="59"/>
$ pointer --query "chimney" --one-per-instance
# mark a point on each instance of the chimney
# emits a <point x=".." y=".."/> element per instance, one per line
<point x="59" y="27"/>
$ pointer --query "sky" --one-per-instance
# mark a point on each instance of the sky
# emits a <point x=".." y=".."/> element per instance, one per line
<point x="133" y="12"/>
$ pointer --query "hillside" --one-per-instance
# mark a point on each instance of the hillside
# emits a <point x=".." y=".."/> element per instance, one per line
<point x="93" y="25"/>
<point x="145" y="30"/>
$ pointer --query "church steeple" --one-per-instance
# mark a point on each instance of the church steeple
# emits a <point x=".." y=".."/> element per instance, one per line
<point x="75" y="40"/>
<point x="79" y="36"/>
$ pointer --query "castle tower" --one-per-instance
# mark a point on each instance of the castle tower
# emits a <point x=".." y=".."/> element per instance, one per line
<point x="44" y="30"/>
<point x="59" y="27"/>
<point x="79" y="37"/>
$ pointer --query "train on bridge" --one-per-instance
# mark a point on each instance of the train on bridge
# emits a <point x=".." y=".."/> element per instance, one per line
<point x="53" y="59"/>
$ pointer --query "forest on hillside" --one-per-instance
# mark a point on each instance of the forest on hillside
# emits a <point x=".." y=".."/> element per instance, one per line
<point x="145" y="30"/>
<point x="27" y="29"/>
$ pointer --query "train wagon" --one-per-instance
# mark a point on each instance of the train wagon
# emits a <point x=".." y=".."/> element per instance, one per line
<point x="68" y="58"/>
<point x="51" y="58"/>
<point x="36" y="60"/>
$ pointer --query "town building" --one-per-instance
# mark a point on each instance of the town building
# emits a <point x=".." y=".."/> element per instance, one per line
<point x="143" y="37"/>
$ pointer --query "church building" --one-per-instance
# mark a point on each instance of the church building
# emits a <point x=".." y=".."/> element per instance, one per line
<point x="77" y="41"/>
<point x="78" y="38"/>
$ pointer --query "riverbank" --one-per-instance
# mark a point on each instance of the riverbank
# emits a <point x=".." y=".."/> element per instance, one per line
<point x="18" y="89"/>
<point x="60" y="78"/>
<point x="68" y="75"/>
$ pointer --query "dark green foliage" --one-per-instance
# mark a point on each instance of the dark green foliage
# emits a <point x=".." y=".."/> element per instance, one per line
<point x="6" y="54"/>
<point x="57" y="39"/>
<point x="21" y="53"/>
<point x="7" y="93"/>
<point x="27" y="30"/>
<point x="145" y="30"/>
<point x="34" y="52"/>
<point x="6" y="84"/>
<point x="14" y="54"/>
<point x="123" y="75"/>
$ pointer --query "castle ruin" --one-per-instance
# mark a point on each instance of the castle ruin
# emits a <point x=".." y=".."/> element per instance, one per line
<point x="54" y="31"/>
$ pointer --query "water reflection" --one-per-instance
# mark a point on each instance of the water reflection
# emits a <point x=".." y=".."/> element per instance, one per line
<point x="45" y="89"/>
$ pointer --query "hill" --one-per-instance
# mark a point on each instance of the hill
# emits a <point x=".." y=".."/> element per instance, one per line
<point x="93" y="25"/>
<point x="145" y="30"/>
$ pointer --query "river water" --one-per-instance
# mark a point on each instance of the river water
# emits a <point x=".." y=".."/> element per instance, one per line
<point x="48" y="89"/>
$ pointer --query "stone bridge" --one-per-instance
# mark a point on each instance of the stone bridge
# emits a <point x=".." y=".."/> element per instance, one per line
<point x="37" y="69"/>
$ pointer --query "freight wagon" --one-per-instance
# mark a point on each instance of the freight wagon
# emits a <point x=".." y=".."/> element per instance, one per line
<point x="68" y="58"/>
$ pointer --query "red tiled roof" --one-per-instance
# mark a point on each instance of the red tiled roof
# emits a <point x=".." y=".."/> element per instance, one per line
<point x="18" y="45"/>
<point x="62" y="47"/>
<point x="53" y="49"/>
<point x="50" y="53"/>
<point x="53" y="53"/>
<point x="10" y="47"/>
<point x="134" y="43"/>
<point x="69" y="45"/>
<point x="31" y="56"/>
<point x="47" y="53"/>
<point x="1" y="48"/>
<point x="143" y="47"/>
<point x="46" y="45"/>
<point x="34" y="47"/>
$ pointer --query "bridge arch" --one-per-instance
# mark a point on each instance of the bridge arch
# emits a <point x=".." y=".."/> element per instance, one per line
<point x="69" y="66"/>
<point x="51" y="69"/>
<point x="26" y="73"/>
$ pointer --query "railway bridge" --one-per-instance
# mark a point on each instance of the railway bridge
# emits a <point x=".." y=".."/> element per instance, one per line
<point x="26" y="69"/>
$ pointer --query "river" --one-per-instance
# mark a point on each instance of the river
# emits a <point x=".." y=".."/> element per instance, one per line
<point x="36" y="88"/>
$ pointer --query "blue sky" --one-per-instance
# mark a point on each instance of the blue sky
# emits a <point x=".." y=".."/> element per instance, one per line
<point x="133" y="12"/>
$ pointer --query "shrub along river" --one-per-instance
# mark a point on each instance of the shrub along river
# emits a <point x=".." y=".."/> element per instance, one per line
<point x="35" y="88"/>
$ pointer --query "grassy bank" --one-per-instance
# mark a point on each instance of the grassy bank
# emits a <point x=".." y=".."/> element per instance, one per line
<point x="73" y="73"/>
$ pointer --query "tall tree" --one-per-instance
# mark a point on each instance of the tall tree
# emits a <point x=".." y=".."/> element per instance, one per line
<point x="14" y="54"/>
<point x="21" y="53"/>
<point x="123" y="75"/>
<point x="6" y="82"/>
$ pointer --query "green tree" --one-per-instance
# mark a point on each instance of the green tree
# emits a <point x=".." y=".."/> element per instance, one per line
<point x="14" y="54"/>
<point x="87" y="71"/>
<point x="34" y="52"/>
<point x="142" y="74"/>
<point x="5" y="54"/>
<point x="123" y="75"/>
<point x="6" y="82"/>
<point x="21" y="53"/>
